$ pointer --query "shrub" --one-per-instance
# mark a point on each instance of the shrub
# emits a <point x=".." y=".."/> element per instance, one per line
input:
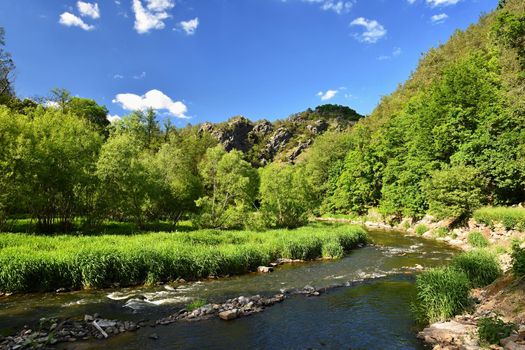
<point x="476" y="239"/>
<point x="480" y="266"/>
<point x="421" y="229"/>
<point x="518" y="259"/>
<point x="492" y="329"/>
<point x="441" y="293"/>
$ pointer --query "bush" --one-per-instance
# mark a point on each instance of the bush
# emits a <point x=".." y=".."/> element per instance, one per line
<point x="440" y="294"/>
<point x="480" y="266"/>
<point x="476" y="239"/>
<point x="492" y="329"/>
<point x="518" y="259"/>
<point x="509" y="217"/>
<point x="421" y="229"/>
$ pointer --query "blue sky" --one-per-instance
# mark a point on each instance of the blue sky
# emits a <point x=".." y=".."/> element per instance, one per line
<point x="208" y="60"/>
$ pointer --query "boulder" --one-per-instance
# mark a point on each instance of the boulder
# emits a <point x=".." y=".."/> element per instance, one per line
<point x="229" y="314"/>
<point x="264" y="269"/>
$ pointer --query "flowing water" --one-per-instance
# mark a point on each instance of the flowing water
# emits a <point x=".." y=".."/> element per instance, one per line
<point x="371" y="312"/>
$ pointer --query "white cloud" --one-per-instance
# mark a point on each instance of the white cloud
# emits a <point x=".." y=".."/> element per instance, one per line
<point x="435" y="3"/>
<point x="439" y="18"/>
<point x="118" y="76"/>
<point x="189" y="27"/>
<point x="154" y="99"/>
<point x="140" y="76"/>
<point x="70" y="20"/>
<point x="87" y="9"/>
<point x="328" y="95"/>
<point x="338" y="7"/>
<point x="51" y="104"/>
<point x="152" y="16"/>
<point x="411" y="2"/>
<point x="113" y="118"/>
<point x="395" y="52"/>
<point x="373" y="30"/>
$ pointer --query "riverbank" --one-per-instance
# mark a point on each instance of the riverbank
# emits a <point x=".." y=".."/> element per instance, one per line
<point x="503" y="299"/>
<point x="30" y="263"/>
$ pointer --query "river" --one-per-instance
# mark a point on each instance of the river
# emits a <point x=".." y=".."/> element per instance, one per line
<point x="371" y="312"/>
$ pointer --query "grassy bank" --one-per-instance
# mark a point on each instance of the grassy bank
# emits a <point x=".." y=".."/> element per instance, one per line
<point x="512" y="218"/>
<point x="37" y="263"/>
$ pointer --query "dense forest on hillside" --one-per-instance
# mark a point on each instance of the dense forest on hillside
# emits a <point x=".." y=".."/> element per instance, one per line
<point x="450" y="139"/>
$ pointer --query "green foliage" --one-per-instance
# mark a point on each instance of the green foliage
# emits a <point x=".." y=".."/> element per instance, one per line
<point x="195" y="304"/>
<point x="231" y="186"/>
<point x="477" y="240"/>
<point x="440" y="294"/>
<point x="442" y="232"/>
<point x="37" y="263"/>
<point x="518" y="259"/>
<point x="7" y="67"/>
<point x="421" y="229"/>
<point x="480" y="266"/>
<point x="333" y="250"/>
<point x="286" y="197"/>
<point x="492" y="329"/>
<point x="509" y="217"/>
<point x="454" y="192"/>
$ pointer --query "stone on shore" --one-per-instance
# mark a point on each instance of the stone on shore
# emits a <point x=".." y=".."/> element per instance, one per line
<point x="229" y="314"/>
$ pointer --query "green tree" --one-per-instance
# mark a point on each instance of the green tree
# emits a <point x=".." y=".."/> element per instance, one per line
<point x="231" y="186"/>
<point x="7" y="69"/>
<point x="90" y="111"/>
<point x="127" y="188"/>
<point x="286" y="197"/>
<point x="455" y="192"/>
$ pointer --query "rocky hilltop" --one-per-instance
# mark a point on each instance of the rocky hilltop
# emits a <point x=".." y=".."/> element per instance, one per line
<point x="283" y="140"/>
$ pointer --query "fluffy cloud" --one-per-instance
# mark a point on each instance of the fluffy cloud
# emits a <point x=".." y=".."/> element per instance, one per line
<point x="113" y="118"/>
<point x="189" y="27"/>
<point x="395" y="52"/>
<point x="373" y="30"/>
<point x="439" y="18"/>
<point x="328" y="95"/>
<point x="70" y="20"/>
<point x="154" y="99"/>
<point x="152" y="16"/>
<point x="87" y="9"/>
<point x="435" y="3"/>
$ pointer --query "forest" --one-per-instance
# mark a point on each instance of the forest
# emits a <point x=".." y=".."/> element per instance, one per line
<point x="446" y="142"/>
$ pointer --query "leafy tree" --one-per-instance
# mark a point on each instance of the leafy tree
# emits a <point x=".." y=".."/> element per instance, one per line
<point x="286" y="197"/>
<point x="231" y="186"/>
<point x="127" y="189"/>
<point x="7" y="68"/>
<point x="455" y="192"/>
<point x="90" y="111"/>
<point x="144" y="127"/>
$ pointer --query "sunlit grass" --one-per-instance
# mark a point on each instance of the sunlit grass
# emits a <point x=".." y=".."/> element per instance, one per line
<point x="38" y="263"/>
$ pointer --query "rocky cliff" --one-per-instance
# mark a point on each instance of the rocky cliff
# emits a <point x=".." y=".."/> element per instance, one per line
<point x="282" y="140"/>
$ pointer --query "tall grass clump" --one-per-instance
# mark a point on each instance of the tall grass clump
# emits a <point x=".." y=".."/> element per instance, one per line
<point x="509" y="217"/>
<point x="480" y="266"/>
<point x="43" y="263"/>
<point x="518" y="259"/>
<point x="476" y="239"/>
<point x="441" y="293"/>
<point x="421" y="229"/>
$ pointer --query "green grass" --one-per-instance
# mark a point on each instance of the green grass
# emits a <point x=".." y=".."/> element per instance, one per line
<point x="476" y="239"/>
<point x="509" y="217"/>
<point x="42" y="263"/>
<point x="195" y="304"/>
<point x="518" y="259"/>
<point x="480" y="266"/>
<point x="440" y="294"/>
<point x="442" y="232"/>
<point x="421" y="229"/>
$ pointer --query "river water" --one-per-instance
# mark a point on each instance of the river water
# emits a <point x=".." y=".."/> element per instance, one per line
<point x="371" y="312"/>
